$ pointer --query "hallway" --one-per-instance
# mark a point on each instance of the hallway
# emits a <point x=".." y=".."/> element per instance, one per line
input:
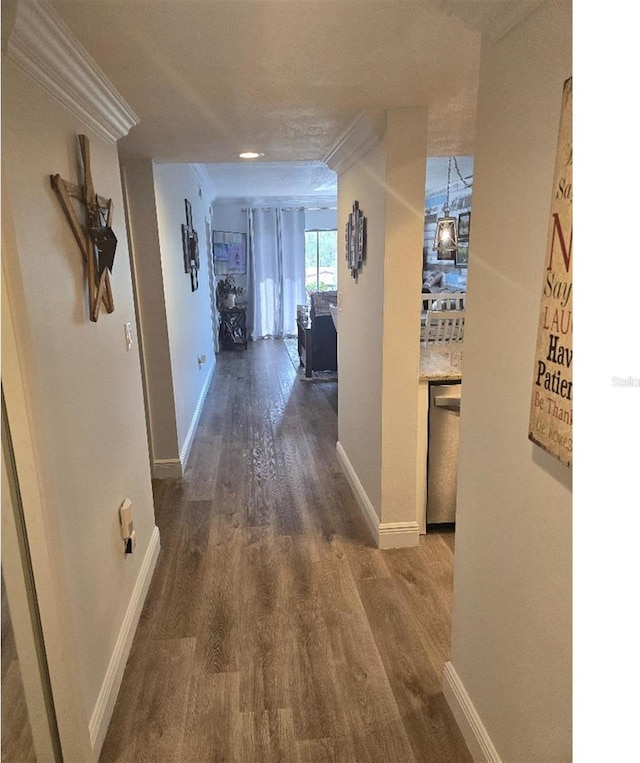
<point x="273" y="629"/>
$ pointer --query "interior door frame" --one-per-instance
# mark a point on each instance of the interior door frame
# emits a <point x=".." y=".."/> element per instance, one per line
<point x="24" y="614"/>
<point x="41" y="528"/>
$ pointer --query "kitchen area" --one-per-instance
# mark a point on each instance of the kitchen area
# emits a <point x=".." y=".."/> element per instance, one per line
<point x="444" y="281"/>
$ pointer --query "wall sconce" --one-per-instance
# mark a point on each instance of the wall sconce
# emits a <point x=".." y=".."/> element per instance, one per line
<point x="445" y="242"/>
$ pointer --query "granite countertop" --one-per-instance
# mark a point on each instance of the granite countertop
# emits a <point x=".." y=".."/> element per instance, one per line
<point x="440" y="361"/>
<point x="334" y="314"/>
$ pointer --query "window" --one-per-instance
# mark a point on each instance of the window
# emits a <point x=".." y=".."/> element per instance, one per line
<point x="321" y="260"/>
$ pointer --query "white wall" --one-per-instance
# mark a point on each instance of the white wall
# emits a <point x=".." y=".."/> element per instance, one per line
<point x="140" y="198"/>
<point x="511" y="641"/>
<point x="378" y="337"/>
<point x="188" y="312"/>
<point x="406" y="144"/>
<point x="84" y="389"/>
<point x="360" y="326"/>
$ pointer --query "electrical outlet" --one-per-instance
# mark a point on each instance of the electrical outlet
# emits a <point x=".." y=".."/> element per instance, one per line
<point x="130" y="543"/>
<point x="126" y="526"/>
<point x="202" y="359"/>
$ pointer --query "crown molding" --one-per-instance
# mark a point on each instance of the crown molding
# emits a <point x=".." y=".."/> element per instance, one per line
<point x="308" y="202"/>
<point x="499" y="24"/>
<point x="204" y="181"/>
<point x="359" y="138"/>
<point x="491" y="19"/>
<point x="42" y="46"/>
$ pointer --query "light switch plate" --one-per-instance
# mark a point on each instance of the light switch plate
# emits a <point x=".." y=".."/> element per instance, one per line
<point x="128" y="336"/>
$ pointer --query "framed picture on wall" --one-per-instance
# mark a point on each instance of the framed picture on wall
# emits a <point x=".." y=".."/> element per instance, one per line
<point x="462" y="256"/>
<point x="229" y="253"/>
<point x="464" y="225"/>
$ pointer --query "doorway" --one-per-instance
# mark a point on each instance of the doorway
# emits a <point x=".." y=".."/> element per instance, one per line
<point x="29" y="727"/>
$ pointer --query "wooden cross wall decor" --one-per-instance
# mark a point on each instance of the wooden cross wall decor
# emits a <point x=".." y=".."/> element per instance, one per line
<point x="190" y="250"/>
<point x="96" y="240"/>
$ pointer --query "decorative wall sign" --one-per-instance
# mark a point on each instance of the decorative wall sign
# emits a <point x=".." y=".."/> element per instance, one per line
<point x="551" y="417"/>
<point x="96" y="240"/>
<point x="190" y="251"/>
<point x="356" y="239"/>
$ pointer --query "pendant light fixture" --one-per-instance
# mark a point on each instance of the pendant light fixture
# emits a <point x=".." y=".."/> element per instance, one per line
<point x="445" y="242"/>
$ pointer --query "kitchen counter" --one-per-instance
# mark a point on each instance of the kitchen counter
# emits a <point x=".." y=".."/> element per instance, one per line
<point x="440" y="362"/>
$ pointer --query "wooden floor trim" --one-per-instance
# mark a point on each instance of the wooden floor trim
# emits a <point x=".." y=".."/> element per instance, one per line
<point x="385" y="535"/>
<point x="174" y="468"/>
<point x="188" y="440"/>
<point x="106" y="701"/>
<point x="473" y="730"/>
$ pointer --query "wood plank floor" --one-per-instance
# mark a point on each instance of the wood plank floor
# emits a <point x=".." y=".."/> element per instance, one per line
<point x="17" y="741"/>
<point x="274" y="630"/>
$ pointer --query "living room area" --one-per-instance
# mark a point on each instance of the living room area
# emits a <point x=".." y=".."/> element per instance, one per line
<point x="285" y="283"/>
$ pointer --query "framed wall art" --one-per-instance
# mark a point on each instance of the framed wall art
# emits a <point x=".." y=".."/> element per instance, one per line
<point x="229" y="253"/>
<point x="356" y="239"/>
<point x="464" y="225"/>
<point x="462" y="256"/>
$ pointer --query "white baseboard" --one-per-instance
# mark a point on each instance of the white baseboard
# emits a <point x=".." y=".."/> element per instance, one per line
<point x="174" y="468"/>
<point x="103" y="709"/>
<point x="167" y="468"/>
<point x="366" y="507"/>
<point x="398" y="535"/>
<point x="188" y="440"/>
<point x="473" y="730"/>
<point x="385" y="535"/>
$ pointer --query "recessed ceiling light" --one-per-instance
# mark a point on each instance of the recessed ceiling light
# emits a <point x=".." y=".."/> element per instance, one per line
<point x="250" y="155"/>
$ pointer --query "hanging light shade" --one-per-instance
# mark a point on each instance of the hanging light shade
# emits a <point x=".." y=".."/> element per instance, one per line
<point x="445" y="242"/>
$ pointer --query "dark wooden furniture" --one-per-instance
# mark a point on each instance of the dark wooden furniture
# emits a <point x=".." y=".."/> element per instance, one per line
<point x="317" y="344"/>
<point x="305" y="345"/>
<point x="233" y="328"/>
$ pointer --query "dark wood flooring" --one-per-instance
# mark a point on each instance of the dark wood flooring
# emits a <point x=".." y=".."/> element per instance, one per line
<point x="274" y="630"/>
<point x="17" y="741"/>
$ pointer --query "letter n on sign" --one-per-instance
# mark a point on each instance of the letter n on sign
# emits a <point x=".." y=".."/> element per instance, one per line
<point x="551" y="416"/>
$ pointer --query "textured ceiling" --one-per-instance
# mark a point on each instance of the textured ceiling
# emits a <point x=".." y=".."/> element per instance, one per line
<point x="309" y="180"/>
<point x="211" y="78"/>
<point x="270" y="180"/>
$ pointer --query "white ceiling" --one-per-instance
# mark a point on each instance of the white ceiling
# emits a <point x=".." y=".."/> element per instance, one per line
<point x="211" y="78"/>
<point x="304" y="181"/>
<point x="270" y="180"/>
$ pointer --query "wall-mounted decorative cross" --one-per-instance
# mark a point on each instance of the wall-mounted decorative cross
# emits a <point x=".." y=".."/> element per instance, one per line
<point x="355" y="235"/>
<point x="96" y="240"/>
<point x="190" y="250"/>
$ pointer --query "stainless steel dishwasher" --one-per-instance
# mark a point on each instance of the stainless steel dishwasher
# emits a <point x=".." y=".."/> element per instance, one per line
<point x="442" y="452"/>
